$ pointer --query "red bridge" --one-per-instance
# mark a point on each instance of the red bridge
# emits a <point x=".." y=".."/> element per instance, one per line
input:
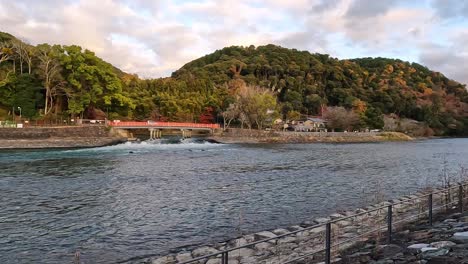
<point x="162" y="125"/>
<point x="156" y="128"/>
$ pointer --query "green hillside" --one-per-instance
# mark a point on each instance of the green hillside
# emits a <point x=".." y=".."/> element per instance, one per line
<point x="305" y="81"/>
<point x="54" y="82"/>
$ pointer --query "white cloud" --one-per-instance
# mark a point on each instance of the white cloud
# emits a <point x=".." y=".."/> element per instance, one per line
<point x="154" y="38"/>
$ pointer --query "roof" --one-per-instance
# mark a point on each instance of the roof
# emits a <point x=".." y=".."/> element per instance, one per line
<point x="316" y="119"/>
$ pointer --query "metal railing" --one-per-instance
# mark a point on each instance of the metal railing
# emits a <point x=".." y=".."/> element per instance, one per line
<point x="388" y="225"/>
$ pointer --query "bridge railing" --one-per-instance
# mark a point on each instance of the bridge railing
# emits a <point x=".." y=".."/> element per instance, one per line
<point x="325" y="240"/>
<point x="161" y="124"/>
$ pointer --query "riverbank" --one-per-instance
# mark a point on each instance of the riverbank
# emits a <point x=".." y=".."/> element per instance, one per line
<point x="359" y="236"/>
<point x="444" y="242"/>
<point x="58" y="137"/>
<point x="240" y="136"/>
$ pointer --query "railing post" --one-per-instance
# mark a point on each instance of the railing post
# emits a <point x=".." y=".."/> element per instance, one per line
<point x="460" y="198"/>
<point x="224" y="258"/>
<point x="430" y="209"/>
<point x="328" y="243"/>
<point x="389" y="224"/>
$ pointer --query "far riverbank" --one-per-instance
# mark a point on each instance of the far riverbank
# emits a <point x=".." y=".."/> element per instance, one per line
<point x="240" y="136"/>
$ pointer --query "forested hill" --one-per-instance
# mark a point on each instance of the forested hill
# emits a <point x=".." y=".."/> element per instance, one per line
<point x="235" y="83"/>
<point x="305" y="81"/>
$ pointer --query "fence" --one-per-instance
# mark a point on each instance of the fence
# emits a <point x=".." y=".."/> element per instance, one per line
<point x="323" y="241"/>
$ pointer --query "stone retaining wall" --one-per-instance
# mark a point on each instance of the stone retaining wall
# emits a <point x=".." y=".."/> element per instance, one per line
<point x="307" y="240"/>
<point x="54" y="132"/>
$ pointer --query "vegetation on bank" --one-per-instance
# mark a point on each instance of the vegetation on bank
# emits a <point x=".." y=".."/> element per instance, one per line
<point x="248" y="86"/>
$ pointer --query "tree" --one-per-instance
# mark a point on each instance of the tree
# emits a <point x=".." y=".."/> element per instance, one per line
<point x="293" y="115"/>
<point x="25" y="54"/>
<point x="257" y="106"/>
<point x="373" y="118"/>
<point x="230" y="114"/>
<point x="50" y="71"/>
<point x="340" y="118"/>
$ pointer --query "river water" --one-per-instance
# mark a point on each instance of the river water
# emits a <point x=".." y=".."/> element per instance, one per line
<point x="126" y="202"/>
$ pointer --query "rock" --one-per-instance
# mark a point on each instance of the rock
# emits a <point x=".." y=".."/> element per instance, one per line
<point x="264" y="235"/>
<point x="420" y="235"/>
<point x="450" y="220"/>
<point x="203" y="251"/>
<point x="242" y="252"/>
<point x="294" y="228"/>
<point x="428" y="249"/>
<point x="383" y="261"/>
<point x="336" y="260"/>
<point x="417" y="247"/>
<point x="237" y="242"/>
<point x="287" y="239"/>
<point x="461" y="236"/>
<point x="390" y="250"/>
<point x="443" y="260"/>
<point x="164" y="260"/>
<point x="359" y="257"/>
<point x="322" y="220"/>
<point x="250" y="238"/>
<point x="280" y="231"/>
<point x="442" y="244"/>
<point x="344" y="223"/>
<point x="434" y="253"/>
<point x="263" y="246"/>
<point x="316" y="230"/>
<point x="181" y="257"/>
<point x="213" y="261"/>
<point x="336" y="216"/>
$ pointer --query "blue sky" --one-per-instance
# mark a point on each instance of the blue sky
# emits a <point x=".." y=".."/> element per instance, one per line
<point x="155" y="37"/>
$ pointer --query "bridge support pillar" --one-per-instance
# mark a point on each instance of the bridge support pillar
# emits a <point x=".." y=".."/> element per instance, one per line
<point x="153" y="134"/>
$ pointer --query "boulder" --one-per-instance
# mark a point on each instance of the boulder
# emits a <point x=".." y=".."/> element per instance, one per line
<point x="442" y="244"/>
<point x="388" y="251"/>
<point x="434" y="253"/>
<point x="428" y="249"/>
<point x="237" y="242"/>
<point x="203" y="251"/>
<point x="164" y="260"/>
<point x="294" y="228"/>
<point x="214" y="261"/>
<point x="280" y="231"/>
<point x="263" y="246"/>
<point x="359" y="257"/>
<point x="461" y="236"/>
<point x="336" y="216"/>
<point x="264" y="235"/>
<point x="322" y="220"/>
<point x="181" y="257"/>
<point x="242" y="253"/>
<point x="417" y="247"/>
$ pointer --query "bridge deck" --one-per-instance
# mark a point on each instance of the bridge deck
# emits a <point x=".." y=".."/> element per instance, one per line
<point x="163" y="125"/>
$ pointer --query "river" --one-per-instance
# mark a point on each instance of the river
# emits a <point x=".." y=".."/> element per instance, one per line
<point x="127" y="202"/>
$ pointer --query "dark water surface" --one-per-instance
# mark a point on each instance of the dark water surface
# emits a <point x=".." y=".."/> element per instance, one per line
<point x="113" y="205"/>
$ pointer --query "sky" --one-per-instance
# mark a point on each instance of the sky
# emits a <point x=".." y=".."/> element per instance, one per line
<point x="153" y="38"/>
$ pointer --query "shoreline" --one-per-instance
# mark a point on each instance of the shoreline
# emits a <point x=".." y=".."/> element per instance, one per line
<point x="241" y="136"/>
<point x="58" y="137"/>
<point x="58" y="143"/>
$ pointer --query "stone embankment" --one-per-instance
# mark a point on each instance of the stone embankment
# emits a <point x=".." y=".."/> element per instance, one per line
<point x="260" y="136"/>
<point x="58" y="137"/>
<point x="349" y="230"/>
<point x="445" y="242"/>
